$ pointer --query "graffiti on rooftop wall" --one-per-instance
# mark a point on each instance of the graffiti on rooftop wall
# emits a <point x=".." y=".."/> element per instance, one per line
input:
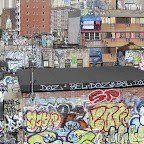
<point x="136" y="58"/>
<point x="101" y="116"/>
<point x="1" y="131"/>
<point x="12" y="38"/>
<point x="47" y="41"/>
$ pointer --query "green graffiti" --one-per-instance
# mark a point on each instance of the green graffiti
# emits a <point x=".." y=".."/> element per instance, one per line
<point x="73" y="60"/>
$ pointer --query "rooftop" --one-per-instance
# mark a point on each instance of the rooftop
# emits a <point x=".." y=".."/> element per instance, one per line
<point x="61" y="79"/>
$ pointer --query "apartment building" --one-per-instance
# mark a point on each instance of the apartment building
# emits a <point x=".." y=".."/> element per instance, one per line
<point x="116" y="28"/>
<point x="34" y="16"/>
<point x="59" y="21"/>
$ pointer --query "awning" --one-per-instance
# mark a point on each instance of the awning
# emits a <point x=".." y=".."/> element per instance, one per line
<point x="90" y="18"/>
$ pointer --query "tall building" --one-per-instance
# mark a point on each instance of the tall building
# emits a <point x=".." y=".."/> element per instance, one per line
<point x="34" y="16"/>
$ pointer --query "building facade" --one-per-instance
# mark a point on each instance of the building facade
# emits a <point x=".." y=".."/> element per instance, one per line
<point x="34" y="17"/>
<point x="92" y="105"/>
<point x="59" y="22"/>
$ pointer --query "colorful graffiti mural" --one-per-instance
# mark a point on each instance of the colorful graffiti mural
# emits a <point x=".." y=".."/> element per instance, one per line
<point x="135" y="57"/>
<point x="102" y="116"/>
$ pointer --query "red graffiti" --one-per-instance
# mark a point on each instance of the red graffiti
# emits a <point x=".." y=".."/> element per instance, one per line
<point x="102" y="117"/>
<point x="100" y="95"/>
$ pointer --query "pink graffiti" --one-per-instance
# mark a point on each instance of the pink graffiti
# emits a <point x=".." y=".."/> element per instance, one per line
<point x="100" y="95"/>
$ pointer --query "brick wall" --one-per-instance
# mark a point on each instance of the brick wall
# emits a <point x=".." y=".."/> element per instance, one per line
<point x="91" y="116"/>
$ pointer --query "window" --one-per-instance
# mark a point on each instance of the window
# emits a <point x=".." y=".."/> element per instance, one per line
<point x="136" y="35"/>
<point x="36" y="13"/>
<point x="108" y="50"/>
<point x="27" y="32"/>
<point x="106" y="35"/>
<point x="36" y="6"/>
<point x="36" y="0"/>
<point x="27" y="6"/>
<point x="79" y="63"/>
<point x="33" y="26"/>
<point x="36" y="19"/>
<point x="27" y="26"/>
<point x="92" y="36"/>
<point x="27" y="19"/>
<point x="33" y="19"/>
<point x="56" y="64"/>
<point x="33" y="0"/>
<point x="33" y="6"/>
<point x="33" y="13"/>
<point x="43" y="7"/>
<point x="43" y="13"/>
<point x="27" y="13"/>
<point x="27" y="0"/>
<point x="123" y="20"/>
<point x="67" y="63"/>
<point x="122" y="35"/>
<point x="45" y="63"/>
<point x="43" y="26"/>
<point x="43" y="19"/>
<point x="43" y="0"/>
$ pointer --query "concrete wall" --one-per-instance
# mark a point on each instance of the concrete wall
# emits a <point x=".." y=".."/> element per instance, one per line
<point x="86" y="116"/>
<point x="74" y="30"/>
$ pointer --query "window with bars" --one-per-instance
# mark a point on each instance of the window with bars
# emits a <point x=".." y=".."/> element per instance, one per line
<point x="45" y="63"/>
<point x="79" y="63"/>
<point x="108" y="50"/>
<point x="123" y="20"/>
<point x="92" y="36"/>
<point x="67" y="63"/>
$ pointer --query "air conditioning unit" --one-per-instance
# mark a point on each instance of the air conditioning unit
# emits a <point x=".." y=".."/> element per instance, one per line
<point x="112" y="40"/>
<point x="112" y="25"/>
<point x="128" y="40"/>
<point x="142" y="25"/>
<point x="142" y="39"/>
<point x="127" y="25"/>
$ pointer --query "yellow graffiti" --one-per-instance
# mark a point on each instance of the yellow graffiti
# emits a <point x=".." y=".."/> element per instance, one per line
<point x="136" y="57"/>
<point x="42" y="119"/>
<point x="105" y="114"/>
<point x="131" y="136"/>
<point x="75" y="136"/>
<point x="44" y="137"/>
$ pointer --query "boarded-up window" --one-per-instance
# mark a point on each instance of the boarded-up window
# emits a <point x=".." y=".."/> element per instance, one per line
<point x="46" y="63"/>
<point x="67" y="63"/>
<point x="79" y="63"/>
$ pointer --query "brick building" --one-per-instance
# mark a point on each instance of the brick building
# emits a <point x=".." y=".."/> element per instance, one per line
<point x="92" y="104"/>
<point x="34" y="17"/>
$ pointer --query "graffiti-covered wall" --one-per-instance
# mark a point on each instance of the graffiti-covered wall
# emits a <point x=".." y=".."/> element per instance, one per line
<point x="85" y="117"/>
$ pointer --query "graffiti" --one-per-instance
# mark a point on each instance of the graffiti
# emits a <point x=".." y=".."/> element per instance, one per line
<point x="47" y="41"/>
<point x="42" y="119"/>
<point x="5" y="37"/>
<point x="86" y="86"/>
<point x="107" y="114"/>
<point x="8" y="80"/>
<point x="13" y="123"/>
<point x="1" y="131"/>
<point x="75" y="136"/>
<point x="96" y="55"/>
<point x="100" y="95"/>
<point x="13" y="116"/>
<point x="136" y="57"/>
<point x="10" y="139"/>
<point x="73" y="60"/>
<point x="13" y="65"/>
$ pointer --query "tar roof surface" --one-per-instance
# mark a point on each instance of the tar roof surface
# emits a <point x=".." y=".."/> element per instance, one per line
<point x="79" y="75"/>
